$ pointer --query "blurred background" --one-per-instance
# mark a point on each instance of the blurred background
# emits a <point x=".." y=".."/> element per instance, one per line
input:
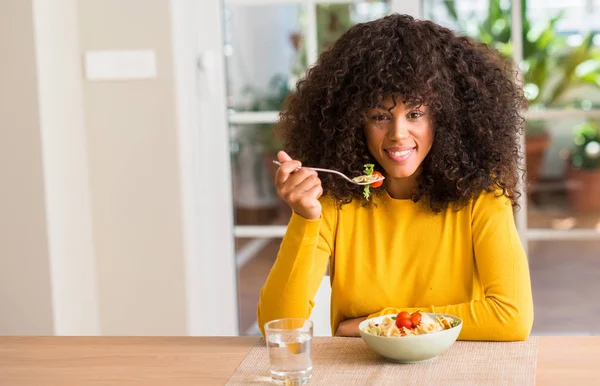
<point x="136" y="149"/>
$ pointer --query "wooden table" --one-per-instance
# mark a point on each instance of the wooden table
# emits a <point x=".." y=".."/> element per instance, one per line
<point x="178" y="361"/>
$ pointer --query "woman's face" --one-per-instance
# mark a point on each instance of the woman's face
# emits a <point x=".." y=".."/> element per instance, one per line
<point x="399" y="137"/>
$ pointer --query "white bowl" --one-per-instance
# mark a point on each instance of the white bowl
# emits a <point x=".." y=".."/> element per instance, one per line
<point x="411" y="348"/>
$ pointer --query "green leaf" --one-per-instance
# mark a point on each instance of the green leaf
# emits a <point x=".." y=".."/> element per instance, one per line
<point x="588" y="67"/>
<point x="451" y="8"/>
<point x="570" y="63"/>
<point x="367" y="191"/>
<point x="591" y="79"/>
<point x="368" y="171"/>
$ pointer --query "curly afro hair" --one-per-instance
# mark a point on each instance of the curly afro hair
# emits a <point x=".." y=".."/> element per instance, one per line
<point x="472" y="93"/>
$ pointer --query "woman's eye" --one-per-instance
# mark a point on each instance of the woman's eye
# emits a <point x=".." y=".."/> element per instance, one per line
<point x="415" y="114"/>
<point x="379" y="118"/>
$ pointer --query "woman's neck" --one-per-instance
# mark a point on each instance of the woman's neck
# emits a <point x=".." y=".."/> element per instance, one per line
<point x="401" y="188"/>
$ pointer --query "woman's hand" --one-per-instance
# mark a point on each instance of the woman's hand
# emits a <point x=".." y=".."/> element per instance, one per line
<point x="300" y="188"/>
<point x="349" y="327"/>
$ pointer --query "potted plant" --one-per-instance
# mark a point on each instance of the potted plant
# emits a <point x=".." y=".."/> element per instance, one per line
<point x="584" y="168"/>
<point x="551" y="67"/>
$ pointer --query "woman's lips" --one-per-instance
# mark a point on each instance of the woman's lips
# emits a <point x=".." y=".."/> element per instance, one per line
<point x="399" y="155"/>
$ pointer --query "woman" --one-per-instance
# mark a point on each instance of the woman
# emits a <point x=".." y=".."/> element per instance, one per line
<point x="439" y="116"/>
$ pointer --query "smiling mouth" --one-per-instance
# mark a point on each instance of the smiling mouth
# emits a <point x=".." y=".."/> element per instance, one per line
<point x="399" y="155"/>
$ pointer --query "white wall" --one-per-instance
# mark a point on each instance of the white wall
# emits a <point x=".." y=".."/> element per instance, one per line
<point x="134" y="169"/>
<point x="65" y="167"/>
<point x="25" y="291"/>
<point x="92" y="233"/>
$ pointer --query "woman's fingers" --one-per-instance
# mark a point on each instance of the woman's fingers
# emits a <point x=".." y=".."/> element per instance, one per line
<point x="282" y="156"/>
<point x="293" y="192"/>
<point x="285" y="170"/>
<point x="299" y="187"/>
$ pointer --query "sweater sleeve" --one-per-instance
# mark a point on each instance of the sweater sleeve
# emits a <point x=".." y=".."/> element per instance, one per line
<point x="505" y="313"/>
<point x="299" y="268"/>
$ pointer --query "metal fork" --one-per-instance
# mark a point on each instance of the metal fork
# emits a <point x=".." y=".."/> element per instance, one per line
<point x="338" y="173"/>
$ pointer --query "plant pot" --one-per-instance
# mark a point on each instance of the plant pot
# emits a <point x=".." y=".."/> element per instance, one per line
<point x="535" y="151"/>
<point x="584" y="189"/>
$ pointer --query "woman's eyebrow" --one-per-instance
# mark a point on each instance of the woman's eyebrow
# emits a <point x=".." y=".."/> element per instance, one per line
<point x="414" y="105"/>
<point x="384" y="107"/>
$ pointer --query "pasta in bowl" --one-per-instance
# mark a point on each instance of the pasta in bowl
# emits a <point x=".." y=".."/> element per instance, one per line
<point x="409" y="338"/>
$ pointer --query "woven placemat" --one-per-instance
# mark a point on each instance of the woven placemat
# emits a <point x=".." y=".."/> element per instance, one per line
<point x="348" y="361"/>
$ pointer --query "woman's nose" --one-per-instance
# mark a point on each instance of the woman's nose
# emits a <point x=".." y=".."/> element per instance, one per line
<point x="398" y="131"/>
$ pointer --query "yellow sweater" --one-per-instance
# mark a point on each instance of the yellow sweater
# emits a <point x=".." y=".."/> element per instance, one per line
<point x="400" y="255"/>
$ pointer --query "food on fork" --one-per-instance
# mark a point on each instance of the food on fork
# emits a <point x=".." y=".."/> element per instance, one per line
<point x="370" y="175"/>
<point x="368" y="178"/>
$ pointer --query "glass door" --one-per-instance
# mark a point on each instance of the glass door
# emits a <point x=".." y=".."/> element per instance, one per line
<point x="268" y="46"/>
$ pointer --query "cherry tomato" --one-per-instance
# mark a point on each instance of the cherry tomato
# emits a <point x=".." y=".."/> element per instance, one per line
<point x="402" y="322"/>
<point x="415" y="319"/>
<point x="403" y="315"/>
<point x="378" y="183"/>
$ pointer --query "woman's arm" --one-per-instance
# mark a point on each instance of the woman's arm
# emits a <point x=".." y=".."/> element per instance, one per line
<point x="349" y="327"/>
<point x="505" y="313"/>
<point x="298" y="271"/>
<point x="306" y="246"/>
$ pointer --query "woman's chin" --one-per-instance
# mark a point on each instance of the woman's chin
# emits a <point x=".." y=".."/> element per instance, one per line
<point x="396" y="174"/>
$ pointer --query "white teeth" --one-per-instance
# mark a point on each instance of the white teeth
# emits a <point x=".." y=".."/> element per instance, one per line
<point x="400" y="153"/>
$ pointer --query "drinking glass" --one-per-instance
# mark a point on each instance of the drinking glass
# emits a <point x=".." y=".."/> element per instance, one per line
<point x="289" y="342"/>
